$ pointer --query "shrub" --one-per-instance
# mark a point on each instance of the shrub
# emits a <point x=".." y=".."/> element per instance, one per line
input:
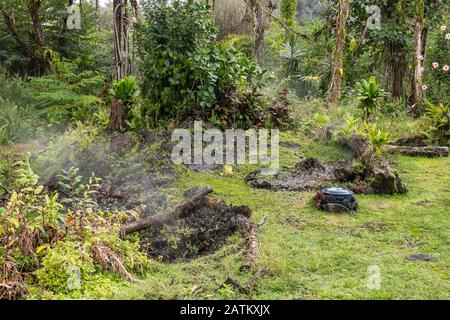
<point x="439" y="117"/>
<point x="280" y="115"/>
<point x="438" y="50"/>
<point x="291" y="56"/>
<point x="67" y="94"/>
<point x="242" y="43"/>
<point x="370" y="96"/>
<point x="187" y="73"/>
<point x="378" y="138"/>
<point x="13" y="122"/>
<point x="39" y="234"/>
<point x="125" y="91"/>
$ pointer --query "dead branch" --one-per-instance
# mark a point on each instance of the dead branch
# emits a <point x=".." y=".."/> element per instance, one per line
<point x="250" y="231"/>
<point x="431" y="152"/>
<point x="167" y="216"/>
<point x="263" y="221"/>
<point x="251" y="252"/>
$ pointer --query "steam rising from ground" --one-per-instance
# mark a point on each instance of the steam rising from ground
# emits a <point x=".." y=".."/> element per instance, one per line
<point x="133" y="169"/>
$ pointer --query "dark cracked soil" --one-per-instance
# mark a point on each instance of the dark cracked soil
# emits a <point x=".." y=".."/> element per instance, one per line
<point x="201" y="231"/>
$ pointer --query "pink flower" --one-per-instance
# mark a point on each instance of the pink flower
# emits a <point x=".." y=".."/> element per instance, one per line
<point x="443" y="28"/>
<point x="435" y="65"/>
<point x="133" y="20"/>
<point x="421" y="58"/>
<point x="446" y="68"/>
<point x="424" y="87"/>
<point x="447" y="36"/>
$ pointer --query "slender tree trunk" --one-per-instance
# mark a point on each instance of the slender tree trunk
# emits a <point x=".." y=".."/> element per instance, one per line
<point x="122" y="59"/>
<point x="33" y="7"/>
<point x="334" y="92"/>
<point x="121" y="43"/>
<point x="213" y="7"/>
<point x="97" y="15"/>
<point x="260" y="23"/>
<point x="395" y="68"/>
<point x="420" y="42"/>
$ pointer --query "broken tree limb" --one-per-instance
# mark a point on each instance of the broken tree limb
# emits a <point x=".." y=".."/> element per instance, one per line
<point x="251" y="250"/>
<point x="167" y="216"/>
<point x="381" y="178"/>
<point x="250" y="231"/>
<point x="431" y="152"/>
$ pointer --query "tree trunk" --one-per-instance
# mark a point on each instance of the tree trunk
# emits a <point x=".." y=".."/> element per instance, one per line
<point x="97" y="16"/>
<point x="334" y="92"/>
<point x="394" y="56"/>
<point x="397" y="71"/>
<point x="117" y="117"/>
<point x="167" y="216"/>
<point x="121" y="44"/>
<point x="33" y="7"/>
<point x="122" y="59"/>
<point x="420" y="42"/>
<point x="430" y="152"/>
<point x="260" y="24"/>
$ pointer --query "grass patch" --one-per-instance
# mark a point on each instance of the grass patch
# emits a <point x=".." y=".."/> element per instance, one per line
<point x="307" y="254"/>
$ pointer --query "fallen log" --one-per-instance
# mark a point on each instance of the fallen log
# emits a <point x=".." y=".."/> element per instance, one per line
<point x="380" y="177"/>
<point x="162" y="218"/>
<point x="250" y="231"/>
<point x="431" y="152"/>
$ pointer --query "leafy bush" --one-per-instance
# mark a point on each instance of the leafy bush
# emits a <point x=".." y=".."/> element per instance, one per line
<point x="187" y="73"/>
<point x="375" y="135"/>
<point x="242" y="43"/>
<point x="439" y="117"/>
<point x="38" y="233"/>
<point x="370" y="96"/>
<point x="67" y="94"/>
<point x="378" y="138"/>
<point x="437" y="79"/>
<point x="16" y="123"/>
<point x="280" y="115"/>
<point x="351" y="126"/>
<point x="125" y="91"/>
<point x="291" y="56"/>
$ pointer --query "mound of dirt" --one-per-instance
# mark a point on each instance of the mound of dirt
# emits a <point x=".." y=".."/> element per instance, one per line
<point x="309" y="174"/>
<point x="200" y="231"/>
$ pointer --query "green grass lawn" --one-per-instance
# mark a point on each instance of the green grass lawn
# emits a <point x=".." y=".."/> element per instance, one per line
<point x="308" y="254"/>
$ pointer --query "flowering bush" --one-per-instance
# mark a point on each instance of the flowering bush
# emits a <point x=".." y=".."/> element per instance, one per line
<point x="436" y="77"/>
